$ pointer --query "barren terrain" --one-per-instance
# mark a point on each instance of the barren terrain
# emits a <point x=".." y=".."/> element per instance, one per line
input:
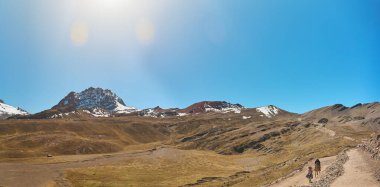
<point x="209" y="149"/>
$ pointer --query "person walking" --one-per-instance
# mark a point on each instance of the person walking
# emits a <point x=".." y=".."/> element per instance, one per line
<point x="317" y="167"/>
<point x="310" y="174"/>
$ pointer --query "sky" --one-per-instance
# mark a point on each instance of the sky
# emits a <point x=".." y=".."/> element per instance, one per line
<point x="298" y="55"/>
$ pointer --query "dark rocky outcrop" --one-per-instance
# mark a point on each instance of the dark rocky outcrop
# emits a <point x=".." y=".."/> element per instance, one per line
<point x="323" y="120"/>
<point x="339" y="107"/>
<point x="357" y="105"/>
<point x="256" y="144"/>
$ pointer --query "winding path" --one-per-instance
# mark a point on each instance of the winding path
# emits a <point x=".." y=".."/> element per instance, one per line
<point x="358" y="171"/>
<point x="299" y="179"/>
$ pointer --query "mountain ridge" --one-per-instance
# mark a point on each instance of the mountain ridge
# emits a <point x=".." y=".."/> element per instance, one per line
<point x="99" y="102"/>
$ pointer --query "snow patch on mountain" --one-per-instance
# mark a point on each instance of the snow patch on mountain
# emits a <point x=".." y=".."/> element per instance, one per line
<point x="98" y="112"/>
<point x="268" y="111"/>
<point x="194" y="109"/>
<point x="8" y="110"/>
<point x="158" y="112"/>
<point x="212" y="106"/>
<point x="234" y="109"/>
<point x="150" y="112"/>
<point x="122" y="109"/>
<point x="62" y="115"/>
<point x="246" y="117"/>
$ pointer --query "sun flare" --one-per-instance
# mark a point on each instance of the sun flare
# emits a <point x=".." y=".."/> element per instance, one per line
<point x="79" y="33"/>
<point x="145" y="31"/>
<point x="111" y="5"/>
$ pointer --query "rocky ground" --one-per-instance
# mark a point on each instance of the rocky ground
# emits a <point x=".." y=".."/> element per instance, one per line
<point x="372" y="146"/>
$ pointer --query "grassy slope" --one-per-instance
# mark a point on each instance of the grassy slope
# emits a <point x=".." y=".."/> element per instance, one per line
<point x="190" y="166"/>
<point x="164" y="168"/>
<point x="174" y="167"/>
<point x="28" y="138"/>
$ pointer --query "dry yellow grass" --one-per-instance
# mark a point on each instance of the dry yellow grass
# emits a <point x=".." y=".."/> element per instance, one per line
<point x="68" y="140"/>
<point x="165" y="167"/>
<point x="180" y="167"/>
<point x="36" y="138"/>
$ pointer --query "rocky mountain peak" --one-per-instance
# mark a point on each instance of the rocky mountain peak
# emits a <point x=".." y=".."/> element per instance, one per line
<point x="339" y="107"/>
<point x="157" y="108"/>
<point x="94" y="98"/>
<point x="269" y="111"/>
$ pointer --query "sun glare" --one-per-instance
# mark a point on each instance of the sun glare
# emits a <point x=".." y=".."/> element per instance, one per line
<point x="106" y="16"/>
<point x="145" y="31"/>
<point x="79" y="33"/>
<point x="111" y="4"/>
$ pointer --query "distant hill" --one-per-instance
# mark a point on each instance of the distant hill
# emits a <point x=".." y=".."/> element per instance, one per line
<point x="362" y="114"/>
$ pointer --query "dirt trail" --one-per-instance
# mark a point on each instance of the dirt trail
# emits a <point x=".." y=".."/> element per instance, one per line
<point x="46" y="175"/>
<point x="358" y="171"/>
<point x="300" y="179"/>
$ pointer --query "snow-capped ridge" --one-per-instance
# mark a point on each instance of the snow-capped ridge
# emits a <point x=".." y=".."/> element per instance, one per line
<point x="269" y="111"/>
<point x="212" y="106"/>
<point x="8" y="110"/>
<point x="196" y="108"/>
<point x="158" y="112"/>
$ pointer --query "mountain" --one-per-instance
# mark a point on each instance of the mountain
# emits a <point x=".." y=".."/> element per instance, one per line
<point x="361" y="114"/>
<point x="212" y="106"/>
<point x="8" y="111"/>
<point x="92" y="102"/>
<point x="217" y="107"/>
<point x="197" y="108"/>
<point x="94" y="98"/>
<point x="98" y="102"/>
<point x="159" y="112"/>
<point x="269" y="111"/>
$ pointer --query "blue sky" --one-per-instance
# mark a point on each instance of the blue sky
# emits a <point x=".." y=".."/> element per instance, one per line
<point x="295" y="54"/>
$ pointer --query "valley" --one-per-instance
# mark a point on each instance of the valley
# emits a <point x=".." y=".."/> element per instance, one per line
<point x="210" y="143"/>
<point x="207" y="149"/>
<point x="196" y="93"/>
